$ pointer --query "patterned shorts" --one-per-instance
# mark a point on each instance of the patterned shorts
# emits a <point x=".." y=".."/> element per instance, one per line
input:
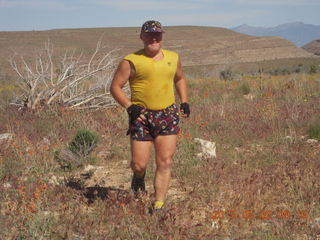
<point x="159" y="122"/>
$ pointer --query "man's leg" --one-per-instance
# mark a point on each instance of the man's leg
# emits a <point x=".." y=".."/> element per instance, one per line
<point x="140" y="153"/>
<point x="165" y="147"/>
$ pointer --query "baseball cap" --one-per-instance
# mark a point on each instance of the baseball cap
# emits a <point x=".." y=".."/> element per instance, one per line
<point x="151" y="26"/>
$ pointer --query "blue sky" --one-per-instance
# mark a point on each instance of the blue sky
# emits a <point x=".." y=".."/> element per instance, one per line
<point x="52" y="14"/>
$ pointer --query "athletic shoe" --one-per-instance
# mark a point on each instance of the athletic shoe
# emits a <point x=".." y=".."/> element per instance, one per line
<point x="138" y="183"/>
<point x="156" y="211"/>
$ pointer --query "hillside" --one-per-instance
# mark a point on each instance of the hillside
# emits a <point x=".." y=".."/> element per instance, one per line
<point x="197" y="45"/>
<point x="313" y="47"/>
<point x="297" y="32"/>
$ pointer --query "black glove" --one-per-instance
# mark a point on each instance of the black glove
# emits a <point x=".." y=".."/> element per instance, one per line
<point x="185" y="108"/>
<point x="134" y="112"/>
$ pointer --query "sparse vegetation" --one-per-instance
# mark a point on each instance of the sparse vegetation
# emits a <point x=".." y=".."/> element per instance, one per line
<point x="313" y="69"/>
<point x="83" y="142"/>
<point x="314" y="130"/>
<point x="227" y="74"/>
<point x="244" y="88"/>
<point x="77" y="150"/>
<point x="264" y="183"/>
<point x="300" y="68"/>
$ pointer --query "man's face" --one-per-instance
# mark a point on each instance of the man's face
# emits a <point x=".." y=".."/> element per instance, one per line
<point x="152" y="41"/>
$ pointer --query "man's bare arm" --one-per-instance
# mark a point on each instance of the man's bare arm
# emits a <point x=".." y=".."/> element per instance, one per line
<point x="181" y="84"/>
<point x="124" y="72"/>
<point x="120" y="78"/>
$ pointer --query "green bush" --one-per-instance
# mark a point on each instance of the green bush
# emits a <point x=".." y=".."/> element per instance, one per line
<point x="244" y="88"/>
<point x="83" y="142"/>
<point x="314" y="130"/>
<point x="313" y="69"/>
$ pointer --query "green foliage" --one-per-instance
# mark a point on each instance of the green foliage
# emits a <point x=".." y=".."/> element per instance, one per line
<point x="244" y="88"/>
<point x="77" y="151"/>
<point x="314" y="130"/>
<point x="313" y="69"/>
<point x="83" y="142"/>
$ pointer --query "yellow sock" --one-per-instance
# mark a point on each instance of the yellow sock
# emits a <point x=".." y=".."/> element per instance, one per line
<point x="158" y="204"/>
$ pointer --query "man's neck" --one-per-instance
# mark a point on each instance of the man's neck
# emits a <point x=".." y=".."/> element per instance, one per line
<point x="154" y="55"/>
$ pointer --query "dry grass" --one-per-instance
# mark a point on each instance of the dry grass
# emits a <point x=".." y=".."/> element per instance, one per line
<point x="264" y="183"/>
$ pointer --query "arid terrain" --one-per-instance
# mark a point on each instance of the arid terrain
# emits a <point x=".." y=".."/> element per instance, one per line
<point x="198" y="46"/>
<point x="313" y="47"/>
<point x="263" y="183"/>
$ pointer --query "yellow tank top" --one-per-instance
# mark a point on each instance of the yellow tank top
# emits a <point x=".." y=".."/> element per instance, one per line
<point x="153" y="84"/>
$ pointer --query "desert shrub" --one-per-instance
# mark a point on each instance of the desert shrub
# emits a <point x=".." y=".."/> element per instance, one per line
<point x="283" y="71"/>
<point x="299" y="68"/>
<point x="83" y="142"/>
<point x="313" y="69"/>
<point x="314" y="130"/>
<point x="227" y="74"/>
<point x="77" y="151"/>
<point x="244" y="88"/>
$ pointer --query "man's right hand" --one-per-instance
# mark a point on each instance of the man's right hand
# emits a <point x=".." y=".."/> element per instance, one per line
<point x="134" y="112"/>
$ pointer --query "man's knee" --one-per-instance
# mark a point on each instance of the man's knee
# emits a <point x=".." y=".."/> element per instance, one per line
<point x="138" y="167"/>
<point x="164" y="162"/>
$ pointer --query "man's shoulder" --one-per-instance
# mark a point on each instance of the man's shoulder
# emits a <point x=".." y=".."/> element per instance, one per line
<point x="135" y="54"/>
<point x="170" y="52"/>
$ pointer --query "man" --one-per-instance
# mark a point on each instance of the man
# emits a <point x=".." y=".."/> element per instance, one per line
<point x="152" y="73"/>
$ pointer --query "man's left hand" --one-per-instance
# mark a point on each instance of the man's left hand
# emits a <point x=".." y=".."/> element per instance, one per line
<point x="185" y="109"/>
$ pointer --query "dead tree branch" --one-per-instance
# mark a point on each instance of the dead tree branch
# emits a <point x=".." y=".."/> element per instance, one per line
<point x="73" y="81"/>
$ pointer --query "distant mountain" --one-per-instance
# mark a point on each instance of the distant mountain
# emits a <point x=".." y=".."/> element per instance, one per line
<point x="297" y="32"/>
<point x="313" y="47"/>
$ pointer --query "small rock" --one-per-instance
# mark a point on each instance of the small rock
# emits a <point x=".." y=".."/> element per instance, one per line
<point x="53" y="180"/>
<point x="289" y="138"/>
<point x="249" y="96"/>
<point x="311" y="141"/>
<point x="103" y="154"/>
<point x="6" y="137"/>
<point x="215" y="225"/>
<point x="7" y="185"/>
<point x="46" y="141"/>
<point x="89" y="168"/>
<point x="316" y="223"/>
<point x="237" y="149"/>
<point x="208" y="148"/>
